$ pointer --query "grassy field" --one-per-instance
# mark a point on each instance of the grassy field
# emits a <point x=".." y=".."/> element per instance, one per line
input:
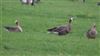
<point x="35" y="20"/>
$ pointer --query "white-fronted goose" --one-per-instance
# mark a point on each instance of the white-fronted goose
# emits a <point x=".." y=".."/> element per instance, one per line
<point x="16" y="28"/>
<point x="62" y="30"/>
<point x="92" y="32"/>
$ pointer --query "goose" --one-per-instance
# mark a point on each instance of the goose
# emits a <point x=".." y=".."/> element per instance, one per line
<point x="27" y="2"/>
<point x="16" y="28"/>
<point x="62" y="30"/>
<point x="92" y="32"/>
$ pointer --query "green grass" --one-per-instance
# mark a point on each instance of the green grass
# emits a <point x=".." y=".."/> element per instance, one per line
<point x="35" y="20"/>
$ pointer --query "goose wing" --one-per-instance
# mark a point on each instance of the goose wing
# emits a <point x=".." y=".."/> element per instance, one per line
<point x="91" y="33"/>
<point x="11" y="29"/>
<point x="56" y="29"/>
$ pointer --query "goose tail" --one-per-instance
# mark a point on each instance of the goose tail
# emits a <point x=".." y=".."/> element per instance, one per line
<point x="50" y="30"/>
<point x="6" y="27"/>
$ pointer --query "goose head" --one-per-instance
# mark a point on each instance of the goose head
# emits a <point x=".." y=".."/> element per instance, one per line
<point x="18" y="26"/>
<point x="70" y="19"/>
<point x="93" y="28"/>
<point x="94" y="25"/>
<point x="16" y="22"/>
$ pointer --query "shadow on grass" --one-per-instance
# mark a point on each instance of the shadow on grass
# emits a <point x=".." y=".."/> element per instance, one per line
<point x="85" y="16"/>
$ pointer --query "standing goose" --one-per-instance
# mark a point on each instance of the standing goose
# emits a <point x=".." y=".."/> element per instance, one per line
<point x="62" y="30"/>
<point x="91" y="33"/>
<point x="16" y="28"/>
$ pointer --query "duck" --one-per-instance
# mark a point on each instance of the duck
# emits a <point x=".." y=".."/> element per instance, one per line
<point x="62" y="30"/>
<point x="16" y="28"/>
<point x="92" y="32"/>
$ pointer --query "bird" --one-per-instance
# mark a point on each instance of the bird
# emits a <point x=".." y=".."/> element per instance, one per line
<point x="62" y="30"/>
<point x="16" y="28"/>
<point x="31" y="2"/>
<point x="92" y="32"/>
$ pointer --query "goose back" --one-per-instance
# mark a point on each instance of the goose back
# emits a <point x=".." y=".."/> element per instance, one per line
<point x="16" y="28"/>
<point x="62" y="30"/>
<point x="92" y="32"/>
<point x="12" y="29"/>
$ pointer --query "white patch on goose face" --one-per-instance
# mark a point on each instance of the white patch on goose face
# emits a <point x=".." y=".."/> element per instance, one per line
<point x="71" y="18"/>
<point x="16" y="21"/>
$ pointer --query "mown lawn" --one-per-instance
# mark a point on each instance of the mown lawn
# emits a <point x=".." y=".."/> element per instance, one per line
<point x="35" y="20"/>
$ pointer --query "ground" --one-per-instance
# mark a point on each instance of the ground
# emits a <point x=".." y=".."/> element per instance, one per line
<point x="35" y="20"/>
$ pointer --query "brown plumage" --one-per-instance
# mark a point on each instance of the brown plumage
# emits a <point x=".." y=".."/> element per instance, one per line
<point x="92" y="32"/>
<point x="62" y="30"/>
<point x="16" y="28"/>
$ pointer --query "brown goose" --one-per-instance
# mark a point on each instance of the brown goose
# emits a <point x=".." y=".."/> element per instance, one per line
<point x="62" y="30"/>
<point x="91" y="33"/>
<point x="16" y="28"/>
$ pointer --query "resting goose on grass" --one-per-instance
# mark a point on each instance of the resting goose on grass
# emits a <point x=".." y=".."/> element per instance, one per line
<point x="16" y="28"/>
<point x="62" y="30"/>
<point x="92" y="32"/>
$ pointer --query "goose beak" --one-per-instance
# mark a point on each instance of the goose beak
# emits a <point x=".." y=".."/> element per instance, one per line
<point x="16" y="21"/>
<point x="71" y="18"/>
